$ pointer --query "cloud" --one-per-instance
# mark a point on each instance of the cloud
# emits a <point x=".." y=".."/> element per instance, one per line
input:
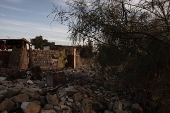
<point x="13" y="8"/>
<point x="2" y="14"/>
<point x="21" y="29"/>
<point x="18" y="23"/>
<point x="59" y="3"/>
<point x="14" y="0"/>
<point x="60" y="30"/>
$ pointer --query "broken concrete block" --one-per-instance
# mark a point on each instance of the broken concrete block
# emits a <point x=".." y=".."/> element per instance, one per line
<point x="61" y="92"/>
<point x="63" y="99"/>
<point x="24" y="105"/>
<point x="12" y="92"/>
<point x="77" y="97"/>
<point x="52" y="99"/>
<point x="2" y="78"/>
<point x="48" y="111"/>
<point x="77" y="104"/>
<point x="71" y="90"/>
<point x="6" y="105"/>
<point x="117" y="105"/>
<point x="69" y="104"/>
<point x="70" y="100"/>
<point x="48" y="106"/>
<point x="30" y="107"/>
<point x="21" y="98"/>
<point x="30" y="82"/>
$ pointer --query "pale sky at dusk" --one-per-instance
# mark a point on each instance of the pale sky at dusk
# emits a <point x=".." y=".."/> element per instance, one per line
<point x="28" y="19"/>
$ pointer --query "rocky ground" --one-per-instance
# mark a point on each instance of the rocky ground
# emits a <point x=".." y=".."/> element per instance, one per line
<point x="76" y="91"/>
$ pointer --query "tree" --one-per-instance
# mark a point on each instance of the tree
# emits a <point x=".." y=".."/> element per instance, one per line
<point x="133" y="38"/>
<point x="38" y="42"/>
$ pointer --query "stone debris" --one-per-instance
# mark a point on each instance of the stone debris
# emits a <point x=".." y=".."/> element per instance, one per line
<point x="6" y="105"/>
<point x="48" y="106"/>
<point x="21" y="98"/>
<point x="81" y="93"/>
<point x="32" y="107"/>
<point x="52" y="99"/>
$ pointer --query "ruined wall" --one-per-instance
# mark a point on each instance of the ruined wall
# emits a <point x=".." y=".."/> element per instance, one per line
<point x="43" y="58"/>
<point x="83" y="62"/>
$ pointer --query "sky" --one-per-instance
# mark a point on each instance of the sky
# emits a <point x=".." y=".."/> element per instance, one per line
<point x="28" y="19"/>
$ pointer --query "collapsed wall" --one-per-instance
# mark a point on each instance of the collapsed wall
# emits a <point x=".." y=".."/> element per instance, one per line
<point x="49" y="59"/>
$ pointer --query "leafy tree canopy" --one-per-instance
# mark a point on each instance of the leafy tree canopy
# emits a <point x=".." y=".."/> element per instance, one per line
<point x="38" y="42"/>
<point x="132" y="39"/>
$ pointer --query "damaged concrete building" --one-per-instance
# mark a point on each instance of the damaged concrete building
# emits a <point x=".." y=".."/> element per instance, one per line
<point x="18" y="54"/>
<point x="15" y="53"/>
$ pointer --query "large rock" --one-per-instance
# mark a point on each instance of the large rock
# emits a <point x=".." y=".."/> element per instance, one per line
<point x="48" y="106"/>
<point x="52" y="99"/>
<point x="6" y="105"/>
<point x="34" y="95"/>
<point x="21" y="98"/>
<point x="24" y="105"/>
<point x="117" y="105"/>
<point x="77" y="97"/>
<point x="30" y="107"/>
<point x="61" y="92"/>
<point x="2" y="78"/>
<point x="86" y="106"/>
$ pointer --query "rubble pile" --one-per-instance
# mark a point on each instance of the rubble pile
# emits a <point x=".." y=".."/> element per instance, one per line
<point x="81" y="93"/>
